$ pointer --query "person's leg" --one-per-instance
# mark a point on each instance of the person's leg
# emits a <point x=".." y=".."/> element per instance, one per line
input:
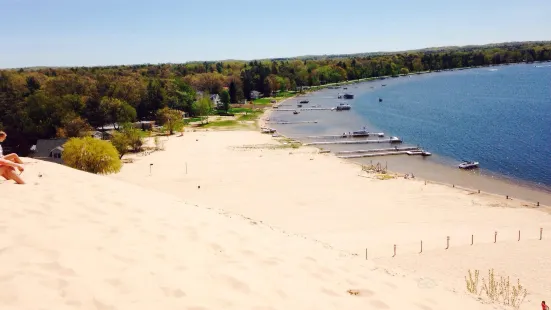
<point x="13" y="157"/>
<point x="9" y="174"/>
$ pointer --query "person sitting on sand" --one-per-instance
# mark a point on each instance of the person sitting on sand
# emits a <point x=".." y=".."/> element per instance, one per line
<point x="544" y="306"/>
<point x="9" y="163"/>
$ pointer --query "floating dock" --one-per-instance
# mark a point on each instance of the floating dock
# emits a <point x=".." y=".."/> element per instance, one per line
<point x="352" y="142"/>
<point x="292" y="122"/>
<point x="346" y="136"/>
<point x="303" y="109"/>
<point x="395" y="149"/>
<point x="374" y="154"/>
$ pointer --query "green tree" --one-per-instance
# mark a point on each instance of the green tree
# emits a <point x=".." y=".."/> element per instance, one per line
<point x="117" y="111"/>
<point x="404" y="71"/>
<point x="91" y="155"/>
<point x="170" y="119"/>
<point x="203" y="108"/>
<point x="225" y="99"/>
<point x="74" y="126"/>
<point x="233" y="92"/>
<point x="128" y="138"/>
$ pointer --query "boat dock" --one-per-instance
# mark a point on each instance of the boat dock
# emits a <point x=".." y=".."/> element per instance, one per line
<point x="399" y="149"/>
<point x="303" y="109"/>
<point x="292" y="122"/>
<point x="351" y="142"/>
<point x="373" y="154"/>
<point x="346" y="136"/>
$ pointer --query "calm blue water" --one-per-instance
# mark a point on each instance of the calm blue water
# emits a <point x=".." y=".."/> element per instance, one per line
<point x="499" y="116"/>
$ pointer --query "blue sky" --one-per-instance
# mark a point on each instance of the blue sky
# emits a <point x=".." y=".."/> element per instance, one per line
<point x="108" y="32"/>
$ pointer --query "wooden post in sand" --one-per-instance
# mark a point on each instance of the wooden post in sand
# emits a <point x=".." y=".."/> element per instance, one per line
<point x="421" y="247"/>
<point x="365" y="253"/>
<point x="394" y="251"/>
<point x="519" y="235"/>
<point x="447" y="242"/>
<point x="150" y="165"/>
<point x="541" y="232"/>
<point x="472" y="239"/>
<point x="495" y="237"/>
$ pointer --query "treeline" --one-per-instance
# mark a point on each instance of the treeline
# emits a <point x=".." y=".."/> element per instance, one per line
<point x="48" y="102"/>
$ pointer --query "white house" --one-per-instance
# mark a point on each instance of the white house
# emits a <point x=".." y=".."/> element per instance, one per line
<point x="50" y="150"/>
<point x="255" y="94"/>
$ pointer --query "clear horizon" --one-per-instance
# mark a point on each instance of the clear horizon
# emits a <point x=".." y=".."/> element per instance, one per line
<point x="60" y="33"/>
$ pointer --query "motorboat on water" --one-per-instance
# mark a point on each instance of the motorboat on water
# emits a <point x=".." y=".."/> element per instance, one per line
<point x="296" y="112"/>
<point x="304" y="101"/>
<point x="394" y="139"/>
<point x="468" y="165"/>
<point x="425" y="153"/>
<point x="343" y="107"/>
<point x="299" y="105"/>
<point x="348" y="96"/>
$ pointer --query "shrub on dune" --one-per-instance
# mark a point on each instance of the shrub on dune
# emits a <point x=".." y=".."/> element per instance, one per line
<point x="91" y="155"/>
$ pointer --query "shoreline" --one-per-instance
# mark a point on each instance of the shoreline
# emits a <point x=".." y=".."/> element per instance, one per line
<point x="484" y="180"/>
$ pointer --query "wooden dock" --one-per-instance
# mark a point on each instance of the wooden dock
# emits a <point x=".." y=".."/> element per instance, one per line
<point x="373" y="154"/>
<point x="396" y="149"/>
<point x="302" y="109"/>
<point x="345" y="136"/>
<point x="292" y="122"/>
<point x="350" y="142"/>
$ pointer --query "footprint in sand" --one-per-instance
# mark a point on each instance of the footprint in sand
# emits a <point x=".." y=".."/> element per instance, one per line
<point x="379" y="304"/>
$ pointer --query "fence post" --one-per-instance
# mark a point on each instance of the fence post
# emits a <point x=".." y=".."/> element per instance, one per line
<point x="447" y="242"/>
<point x="495" y="237"/>
<point x="519" y="235"/>
<point x="421" y="247"/>
<point x="394" y="251"/>
<point x="472" y="239"/>
<point x="365" y="253"/>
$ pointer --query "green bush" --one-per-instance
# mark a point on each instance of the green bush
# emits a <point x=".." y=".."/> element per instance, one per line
<point x="91" y="155"/>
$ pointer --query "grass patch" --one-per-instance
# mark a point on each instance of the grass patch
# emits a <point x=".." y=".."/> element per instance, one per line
<point x="263" y="101"/>
<point x="252" y="116"/>
<point x="241" y="110"/>
<point x="222" y="123"/>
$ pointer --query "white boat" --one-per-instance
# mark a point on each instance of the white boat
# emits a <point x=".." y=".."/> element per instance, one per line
<point x="425" y="153"/>
<point x="268" y="130"/>
<point x="468" y="165"/>
<point x="414" y="152"/>
<point x="380" y="134"/>
<point x="343" y="107"/>
<point x="395" y="140"/>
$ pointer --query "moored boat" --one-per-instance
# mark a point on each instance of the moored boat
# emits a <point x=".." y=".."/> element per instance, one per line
<point x="343" y="107"/>
<point x="295" y="112"/>
<point x="394" y="139"/>
<point x="348" y="96"/>
<point x="468" y="165"/>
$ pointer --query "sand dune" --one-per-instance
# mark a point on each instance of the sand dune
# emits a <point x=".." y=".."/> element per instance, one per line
<point x="324" y="198"/>
<point x="72" y="240"/>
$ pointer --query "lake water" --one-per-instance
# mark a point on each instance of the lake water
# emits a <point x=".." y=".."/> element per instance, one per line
<point x="499" y="116"/>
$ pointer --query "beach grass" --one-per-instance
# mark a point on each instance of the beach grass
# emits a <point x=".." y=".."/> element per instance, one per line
<point x="251" y="116"/>
<point x="222" y="123"/>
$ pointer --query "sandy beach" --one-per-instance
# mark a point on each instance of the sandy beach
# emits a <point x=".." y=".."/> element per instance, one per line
<point x="236" y="220"/>
<point x="333" y="201"/>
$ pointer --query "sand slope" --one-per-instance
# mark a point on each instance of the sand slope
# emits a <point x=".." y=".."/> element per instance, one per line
<point x="322" y="197"/>
<point x="71" y="240"/>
